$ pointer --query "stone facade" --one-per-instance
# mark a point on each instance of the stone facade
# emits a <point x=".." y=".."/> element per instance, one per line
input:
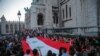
<point x="10" y="27"/>
<point x="81" y="15"/>
<point x="41" y="14"/>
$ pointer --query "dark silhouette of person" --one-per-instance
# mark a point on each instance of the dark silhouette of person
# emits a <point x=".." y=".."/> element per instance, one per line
<point x="35" y="52"/>
<point x="49" y="53"/>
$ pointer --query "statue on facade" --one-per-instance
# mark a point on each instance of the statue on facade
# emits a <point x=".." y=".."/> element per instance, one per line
<point x="26" y="9"/>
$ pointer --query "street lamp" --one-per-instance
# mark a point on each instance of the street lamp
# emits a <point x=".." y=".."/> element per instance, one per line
<point x="19" y="16"/>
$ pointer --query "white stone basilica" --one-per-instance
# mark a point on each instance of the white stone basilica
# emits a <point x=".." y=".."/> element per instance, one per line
<point x="41" y="14"/>
<point x="80" y="17"/>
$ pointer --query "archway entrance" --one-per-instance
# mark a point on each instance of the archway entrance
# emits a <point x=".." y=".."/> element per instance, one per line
<point x="40" y="20"/>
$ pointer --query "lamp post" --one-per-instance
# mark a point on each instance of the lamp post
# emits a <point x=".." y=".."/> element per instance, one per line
<point x="19" y="16"/>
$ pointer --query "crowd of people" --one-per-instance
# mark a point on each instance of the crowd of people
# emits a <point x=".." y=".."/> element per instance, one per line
<point x="36" y="52"/>
<point x="81" y="46"/>
<point x="86" y="46"/>
<point x="10" y="47"/>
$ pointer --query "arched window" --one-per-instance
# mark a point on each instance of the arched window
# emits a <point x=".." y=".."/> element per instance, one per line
<point x="11" y="28"/>
<point x="55" y="18"/>
<point x="40" y="20"/>
<point x="7" y="28"/>
<point x="16" y="27"/>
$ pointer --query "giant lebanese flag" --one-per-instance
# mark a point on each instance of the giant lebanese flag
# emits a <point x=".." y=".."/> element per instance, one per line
<point x="44" y="44"/>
